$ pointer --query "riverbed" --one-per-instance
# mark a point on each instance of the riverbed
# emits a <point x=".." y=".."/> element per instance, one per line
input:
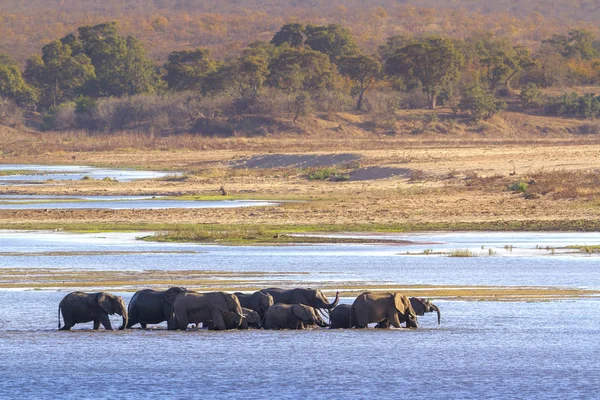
<point x="482" y="349"/>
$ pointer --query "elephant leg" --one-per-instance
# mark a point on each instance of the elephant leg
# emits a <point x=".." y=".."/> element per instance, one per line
<point x="181" y="322"/>
<point x="67" y="326"/>
<point x="96" y="324"/>
<point x="105" y="321"/>
<point x="217" y="321"/>
<point x="383" y="324"/>
<point x="395" y="321"/>
<point x="143" y="325"/>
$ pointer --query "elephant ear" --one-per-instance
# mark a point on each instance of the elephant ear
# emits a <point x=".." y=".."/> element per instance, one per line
<point x="298" y="296"/>
<point x="301" y="312"/>
<point x="401" y="303"/>
<point x="105" y="302"/>
<point x="173" y="292"/>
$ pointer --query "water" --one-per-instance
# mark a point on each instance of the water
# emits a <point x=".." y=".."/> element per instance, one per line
<point x="337" y="263"/>
<point x="41" y="173"/>
<point x="47" y="202"/>
<point x="482" y="350"/>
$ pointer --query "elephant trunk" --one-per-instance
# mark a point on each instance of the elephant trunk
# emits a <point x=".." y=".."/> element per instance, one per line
<point x="125" y="318"/>
<point x="331" y="306"/>
<point x="436" y="309"/>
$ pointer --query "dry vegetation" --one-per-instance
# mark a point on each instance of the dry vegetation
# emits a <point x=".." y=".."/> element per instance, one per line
<point x="227" y="26"/>
<point x="463" y="180"/>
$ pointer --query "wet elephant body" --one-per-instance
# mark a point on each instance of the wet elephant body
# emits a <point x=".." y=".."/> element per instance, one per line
<point x="258" y="301"/>
<point x="205" y="308"/>
<point x="79" y="307"/>
<point x="341" y="317"/>
<point x="376" y="307"/>
<point x="152" y="306"/>
<point x="291" y="316"/>
<point x="250" y="320"/>
<point x="309" y="297"/>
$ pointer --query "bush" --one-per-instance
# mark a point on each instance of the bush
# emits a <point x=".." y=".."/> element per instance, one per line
<point x="572" y="104"/>
<point x="330" y="173"/>
<point x="532" y="97"/>
<point x="518" y="186"/>
<point x="10" y="113"/>
<point x="480" y="104"/>
<point x="62" y="117"/>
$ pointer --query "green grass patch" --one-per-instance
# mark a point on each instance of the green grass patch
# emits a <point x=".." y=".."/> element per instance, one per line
<point x="10" y="172"/>
<point x="327" y="173"/>
<point x="461" y="253"/>
<point x="518" y="186"/>
<point x="585" y="248"/>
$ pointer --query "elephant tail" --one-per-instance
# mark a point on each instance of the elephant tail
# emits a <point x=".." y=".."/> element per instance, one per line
<point x="59" y="306"/>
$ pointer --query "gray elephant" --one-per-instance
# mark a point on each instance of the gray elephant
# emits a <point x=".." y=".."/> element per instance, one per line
<point x="372" y="307"/>
<point x="309" y="297"/>
<point x="151" y="306"/>
<point x="291" y="316"/>
<point x="421" y="306"/>
<point x="257" y="301"/>
<point x="192" y="307"/>
<point x="78" y="307"/>
<point x="341" y="317"/>
<point x="251" y="319"/>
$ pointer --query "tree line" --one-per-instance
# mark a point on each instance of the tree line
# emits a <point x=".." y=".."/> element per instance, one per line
<point x="308" y="66"/>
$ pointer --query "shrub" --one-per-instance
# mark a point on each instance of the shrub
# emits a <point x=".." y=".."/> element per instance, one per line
<point x="480" y="104"/>
<point x="572" y="104"/>
<point x="532" y="97"/>
<point x="62" y="117"/>
<point x="10" y="113"/>
<point x="518" y="186"/>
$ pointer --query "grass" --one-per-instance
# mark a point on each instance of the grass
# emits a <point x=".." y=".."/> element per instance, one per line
<point x="255" y="233"/>
<point x="586" y="248"/>
<point x="327" y="173"/>
<point x="461" y="253"/>
<point x="518" y="186"/>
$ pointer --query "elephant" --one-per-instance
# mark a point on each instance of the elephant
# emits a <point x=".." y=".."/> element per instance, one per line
<point x="257" y="301"/>
<point x="151" y="306"/>
<point x="77" y="307"/>
<point x="309" y="297"/>
<point x="421" y="306"/>
<point x="377" y="307"/>
<point x="341" y="317"/>
<point x="291" y="316"/>
<point x="192" y="307"/>
<point x="251" y="319"/>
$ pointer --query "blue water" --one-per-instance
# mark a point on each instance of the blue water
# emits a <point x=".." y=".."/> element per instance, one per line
<point x="41" y="173"/>
<point x="482" y="350"/>
<point x="42" y="202"/>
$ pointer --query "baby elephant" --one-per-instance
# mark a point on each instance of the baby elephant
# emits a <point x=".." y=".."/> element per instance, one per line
<point x="291" y="316"/>
<point x="251" y="319"/>
<point x="80" y="307"/>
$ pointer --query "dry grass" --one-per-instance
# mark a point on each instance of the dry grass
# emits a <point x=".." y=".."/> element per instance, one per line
<point x="61" y="279"/>
<point x="562" y="184"/>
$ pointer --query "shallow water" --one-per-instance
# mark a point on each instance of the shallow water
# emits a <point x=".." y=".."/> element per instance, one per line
<point x="482" y="350"/>
<point x="41" y="173"/>
<point x="34" y="202"/>
<point x="338" y="263"/>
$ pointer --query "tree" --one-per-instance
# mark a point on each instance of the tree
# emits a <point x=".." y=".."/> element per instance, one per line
<point x="578" y="43"/>
<point x="333" y="40"/>
<point x="59" y="73"/>
<point x="434" y="62"/>
<point x="186" y="69"/>
<point x="502" y="60"/>
<point x="480" y="104"/>
<point x="120" y="63"/>
<point x="244" y="76"/>
<point x="292" y="34"/>
<point x="362" y="70"/>
<point x="12" y="84"/>
<point x="299" y="70"/>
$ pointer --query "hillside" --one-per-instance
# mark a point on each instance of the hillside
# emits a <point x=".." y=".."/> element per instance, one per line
<point x="227" y="26"/>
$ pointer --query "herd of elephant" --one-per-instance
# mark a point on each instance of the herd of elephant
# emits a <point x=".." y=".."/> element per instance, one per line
<point x="267" y="308"/>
